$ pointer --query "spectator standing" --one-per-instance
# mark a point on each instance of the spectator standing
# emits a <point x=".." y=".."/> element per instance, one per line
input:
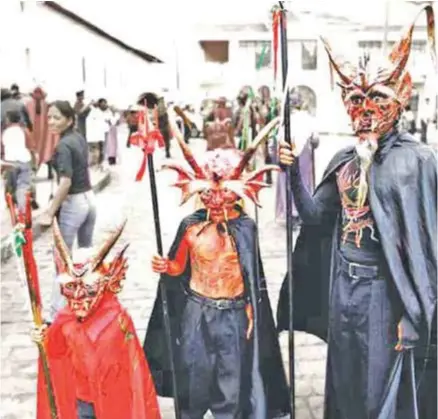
<point x="73" y="203"/>
<point x="18" y="176"/>
<point x="43" y="141"/>
<point x="82" y="111"/>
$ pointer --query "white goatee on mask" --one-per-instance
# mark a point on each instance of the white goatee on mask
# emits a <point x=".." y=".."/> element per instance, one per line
<point x="365" y="150"/>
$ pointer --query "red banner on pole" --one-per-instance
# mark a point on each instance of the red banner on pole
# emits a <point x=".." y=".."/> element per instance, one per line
<point x="146" y="139"/>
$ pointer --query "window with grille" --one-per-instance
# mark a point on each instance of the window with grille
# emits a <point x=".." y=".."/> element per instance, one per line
<point x="309" y="55"/>
<point x="84" y="70"/>
<point x="259" y="51"/>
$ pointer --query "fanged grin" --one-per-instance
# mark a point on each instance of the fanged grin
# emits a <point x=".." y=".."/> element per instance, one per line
<point x="82" y="307"/>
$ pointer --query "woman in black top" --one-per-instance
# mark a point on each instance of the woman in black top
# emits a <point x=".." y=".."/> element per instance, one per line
<point x="73" y="203"/>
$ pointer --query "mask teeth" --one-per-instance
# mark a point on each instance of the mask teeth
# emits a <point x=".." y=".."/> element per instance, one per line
<point x="208" y="215"/>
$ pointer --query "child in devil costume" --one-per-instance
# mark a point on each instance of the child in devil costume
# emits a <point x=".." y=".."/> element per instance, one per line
<point x="96" y="364"/>
<point x="226" y="350"/>
<point x="365" y="262"/>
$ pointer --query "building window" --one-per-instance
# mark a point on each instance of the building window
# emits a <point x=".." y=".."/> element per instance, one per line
<point x="263" y="55"/>
<point x="27" y="58"/>
<point x="104" y="77"/>
<point x="215" y="51"/>
<point x="84" y="70"/>
<point x="309" y="55"/>
<point x="259" y="51"/>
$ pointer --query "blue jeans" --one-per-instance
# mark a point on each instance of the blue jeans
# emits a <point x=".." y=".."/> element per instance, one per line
<point x="77" y="218"/>
<point x="85" y="410"/>
<point x="18" y="182"/>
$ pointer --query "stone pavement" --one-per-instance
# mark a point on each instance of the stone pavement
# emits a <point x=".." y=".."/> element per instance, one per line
<point x="18" y="354"/>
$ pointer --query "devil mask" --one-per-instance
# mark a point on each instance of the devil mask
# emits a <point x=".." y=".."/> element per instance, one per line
<point x="375" y="94"/>
<point x="85" y="285"/>
<point x="220" y="179"/>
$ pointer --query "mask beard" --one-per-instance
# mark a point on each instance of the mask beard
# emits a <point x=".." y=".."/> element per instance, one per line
<point x="365" y="149"/>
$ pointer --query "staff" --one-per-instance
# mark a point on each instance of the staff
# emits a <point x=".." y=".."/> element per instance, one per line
<point x="147" y="138"/>
<point x="282" y="14"/>
<point x="32" y="281"/>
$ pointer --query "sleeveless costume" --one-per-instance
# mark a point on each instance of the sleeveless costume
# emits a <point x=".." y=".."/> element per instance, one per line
<point x="219" y="367"/>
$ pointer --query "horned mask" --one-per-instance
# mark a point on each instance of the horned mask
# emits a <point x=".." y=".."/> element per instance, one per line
<point x="221" y="179"/>
<point x="85" y="285"/>
<point x="375" y="94"/>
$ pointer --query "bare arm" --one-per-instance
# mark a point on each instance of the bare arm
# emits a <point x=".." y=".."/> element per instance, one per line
<point x="176" y="266"/>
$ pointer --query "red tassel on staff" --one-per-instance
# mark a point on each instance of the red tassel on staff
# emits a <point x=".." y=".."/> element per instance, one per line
<point x="146" y="139"/>
<point x="33" y="286"/>
<point x="275" y="27"/>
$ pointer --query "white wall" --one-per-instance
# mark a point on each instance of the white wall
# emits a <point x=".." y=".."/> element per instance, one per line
<point x="56" y="46"/>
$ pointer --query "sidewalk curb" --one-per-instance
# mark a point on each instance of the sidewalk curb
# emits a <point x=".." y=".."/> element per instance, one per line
<point x="38" y="230"/>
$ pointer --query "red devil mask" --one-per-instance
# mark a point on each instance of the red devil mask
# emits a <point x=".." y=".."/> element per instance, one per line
<point x="85" y="285"/>
<point x="220" y="179"/>
<point x="375" y="95"/>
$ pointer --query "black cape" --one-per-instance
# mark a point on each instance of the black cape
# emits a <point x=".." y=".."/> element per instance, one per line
<point x="403" y="200"/>
<point x="269" y="393"/>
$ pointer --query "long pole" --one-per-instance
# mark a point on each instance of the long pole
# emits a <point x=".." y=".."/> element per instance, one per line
<point x="163" y="292"/>
<point x="34" y="292"/>
<point x="289" y="220"/>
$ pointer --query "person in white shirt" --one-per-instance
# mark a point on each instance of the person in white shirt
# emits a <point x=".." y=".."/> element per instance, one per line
<point x="18" y="177"/>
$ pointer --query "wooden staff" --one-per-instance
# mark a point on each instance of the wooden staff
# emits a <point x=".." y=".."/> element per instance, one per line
<point x="148" y="142"/>
<point x="33" y="288"/>
<point x="289" y="219"/>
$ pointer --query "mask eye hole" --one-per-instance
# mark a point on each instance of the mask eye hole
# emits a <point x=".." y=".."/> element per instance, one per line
<point x="357" y="100"/>
<point x="378" y="97"/>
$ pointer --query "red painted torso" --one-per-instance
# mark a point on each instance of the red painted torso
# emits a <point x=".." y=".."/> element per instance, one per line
<point x="214" y="262"/>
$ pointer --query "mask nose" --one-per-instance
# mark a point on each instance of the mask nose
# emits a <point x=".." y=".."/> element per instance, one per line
<point x="79" y="293"/>
<point x="368" y="106"/>
<point x="217" y="200"/>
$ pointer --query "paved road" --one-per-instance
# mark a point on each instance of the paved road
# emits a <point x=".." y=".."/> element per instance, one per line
<point x="18" y="355"/>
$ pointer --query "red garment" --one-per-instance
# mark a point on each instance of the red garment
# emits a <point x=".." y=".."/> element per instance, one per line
<point x="99" y="360"/>
<point x="40" y="139"/>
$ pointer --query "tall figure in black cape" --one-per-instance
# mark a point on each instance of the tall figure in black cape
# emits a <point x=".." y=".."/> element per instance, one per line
<point x="365" y="269"/>
<point x="225" y="344"/>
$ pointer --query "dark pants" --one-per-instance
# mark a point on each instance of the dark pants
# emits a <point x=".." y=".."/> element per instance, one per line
<point x="85" y="410"/>
<point x="213" y="354"/>
<point x="101" y="150"/>
<point x="363" y="334"/>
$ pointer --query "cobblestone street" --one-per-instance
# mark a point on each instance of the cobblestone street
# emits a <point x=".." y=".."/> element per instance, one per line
<point x="125" y="198"/>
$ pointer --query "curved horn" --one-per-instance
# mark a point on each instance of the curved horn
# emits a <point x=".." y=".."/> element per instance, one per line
<point x="106" y="246"/>
<point x="61" y="247"/>
<point x="401" y="50"/>
<point x="333" y="64"/>
<point x="260" y="139"/>
<point x="188" y="155"/>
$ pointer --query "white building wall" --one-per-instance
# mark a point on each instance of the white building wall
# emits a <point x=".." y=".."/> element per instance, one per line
<point x="51" y="49"/>
<point x="330" y="112"/>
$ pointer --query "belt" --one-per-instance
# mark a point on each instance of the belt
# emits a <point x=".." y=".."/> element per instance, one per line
<point x="217" y="303"/>
<point x="359" y="271"/>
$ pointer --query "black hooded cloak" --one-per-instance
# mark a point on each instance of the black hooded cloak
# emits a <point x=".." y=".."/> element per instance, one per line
<point x="403" y="200"/>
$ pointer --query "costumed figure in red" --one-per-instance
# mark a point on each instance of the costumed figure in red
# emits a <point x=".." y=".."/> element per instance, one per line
<point x="97" y="366"/>
<point x="226" y="350"/>
<point x="365" y="262"/>
<point x="218" y="127"/>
